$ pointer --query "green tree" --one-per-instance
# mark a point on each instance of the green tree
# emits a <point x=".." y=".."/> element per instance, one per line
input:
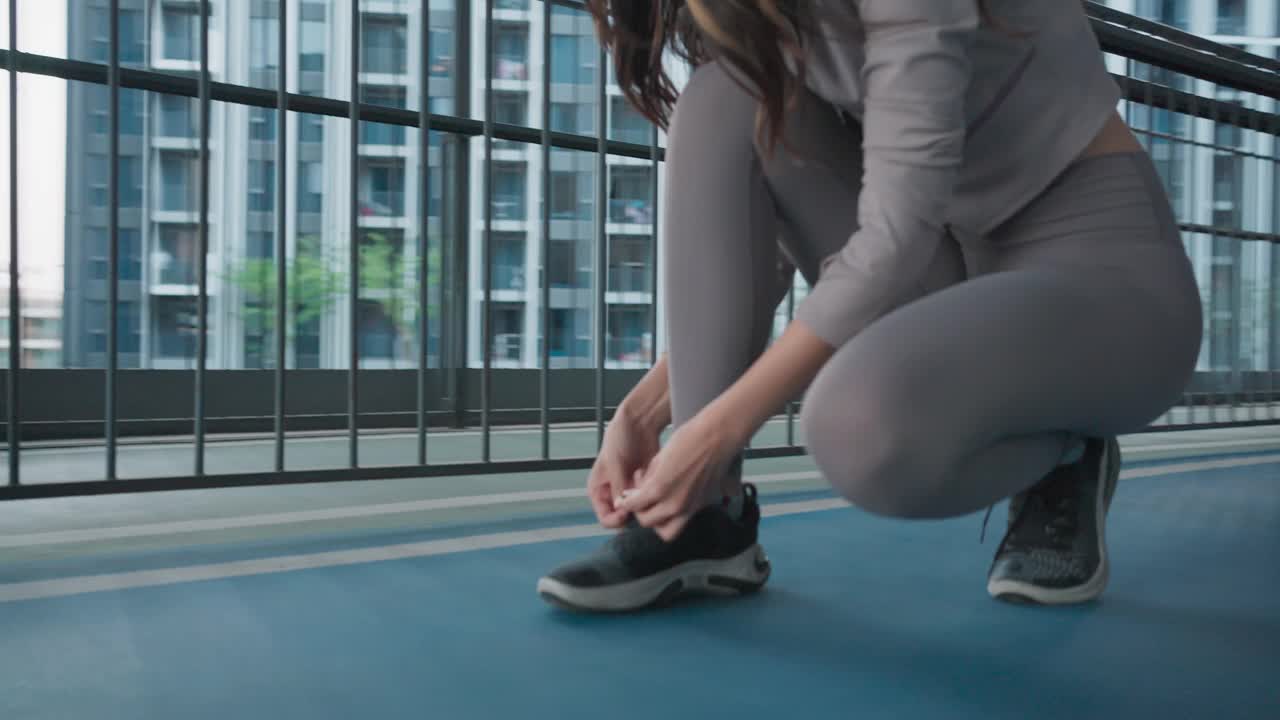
<point x="315" y="282"/>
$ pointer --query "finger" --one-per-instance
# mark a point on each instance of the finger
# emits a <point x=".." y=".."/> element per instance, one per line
<point x="660" y="514"/>
<point x="601" y="495"/>
<point x="614" y="521"/>
<point x="671" y="529"/>
<point x="601" y="507"/>
<point x="644" y="497"/>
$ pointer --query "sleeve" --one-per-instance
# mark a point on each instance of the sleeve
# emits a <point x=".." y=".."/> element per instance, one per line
<point x="914" y="77"/>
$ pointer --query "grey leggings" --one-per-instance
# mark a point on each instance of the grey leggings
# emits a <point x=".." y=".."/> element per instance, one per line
<point x="1079" y="316"/>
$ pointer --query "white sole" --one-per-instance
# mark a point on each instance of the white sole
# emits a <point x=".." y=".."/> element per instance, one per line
<point x="741" y="574"/>
<point x="1093" y="587"/>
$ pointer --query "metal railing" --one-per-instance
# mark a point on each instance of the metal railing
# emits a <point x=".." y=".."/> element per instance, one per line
<point x="424" y="396"/>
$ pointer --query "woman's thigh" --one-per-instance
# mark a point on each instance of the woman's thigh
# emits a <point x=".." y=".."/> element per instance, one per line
<point x="1090" y="323"/>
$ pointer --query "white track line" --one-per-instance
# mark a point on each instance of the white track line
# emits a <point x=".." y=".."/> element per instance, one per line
<point x="41" y="589"/>
<point x="179" y="527"/>
<point x="59" y="587"/>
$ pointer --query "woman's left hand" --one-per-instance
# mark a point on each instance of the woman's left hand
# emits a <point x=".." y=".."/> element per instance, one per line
<point x="683" y="477"/>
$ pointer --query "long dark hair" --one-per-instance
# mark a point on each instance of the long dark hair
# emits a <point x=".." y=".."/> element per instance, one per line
<point x="761" y="39"/>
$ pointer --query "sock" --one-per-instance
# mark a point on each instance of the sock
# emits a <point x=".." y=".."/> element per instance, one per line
<point x="735" y="503"/>
<point x="1074" y="452"/>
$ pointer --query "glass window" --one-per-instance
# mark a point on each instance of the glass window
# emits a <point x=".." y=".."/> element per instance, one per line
<point x="130" y="257"/>
<point x="262" y="185"/>
<point x="262" y="124"/>
<point x="629" y="263"/>
<point x="176" y="118"/>
<point x="173" y="260"/>
<point x="629" y="187"/>
<point x="562" y="264"/>
<point x="573" y="59"/>
<point x="509" y="191"/>
<point x="1231" y="17"/>
<point x="177" y="181"/>
<point x="570" y="195"/>
<point x="382" y="188"/>
<point x="311" y="128"/>
<point x="264" y="45"/>
<point x="129" y="176"/>
<point x="311" y="44"/>
<point x="181" y="32"/>
<point x="372" y="133"/>
<point x="260" y="244"/>
<point x="173" y="327"/>
<point x="310" y="187"/>
<point x="576" y="118"/>
<point x="441" y="52"/>
<point x="383" y="48"/>
<point x="626" y="124"/>
<point x="133" y="37"/>
<point x="132" y="110"/>
<point x="510" y="51"/>
<point x="508" y="261"/>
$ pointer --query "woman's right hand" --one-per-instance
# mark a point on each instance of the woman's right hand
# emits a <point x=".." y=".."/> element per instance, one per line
<point x="629" y="445"/>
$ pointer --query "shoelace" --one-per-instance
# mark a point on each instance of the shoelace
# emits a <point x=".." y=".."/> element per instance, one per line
<point x="637" y="540"/>
<point x="634" y="540"/>
<point x="1053" y="500"/>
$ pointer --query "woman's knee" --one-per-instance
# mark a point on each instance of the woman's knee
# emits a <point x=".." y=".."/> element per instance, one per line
<point x="862" y="434"/>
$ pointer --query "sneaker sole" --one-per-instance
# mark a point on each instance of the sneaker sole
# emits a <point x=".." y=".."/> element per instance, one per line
<point x="1025" y="593"/>
<point x="741" y="574"/>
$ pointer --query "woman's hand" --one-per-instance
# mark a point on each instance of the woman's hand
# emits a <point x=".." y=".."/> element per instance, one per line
<point x="684" y="476"/>
<point x="688" y="472"/>
<point x="630" y="443"/>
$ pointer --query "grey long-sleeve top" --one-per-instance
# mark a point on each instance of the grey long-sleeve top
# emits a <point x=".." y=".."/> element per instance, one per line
<point x="963" y="125"/>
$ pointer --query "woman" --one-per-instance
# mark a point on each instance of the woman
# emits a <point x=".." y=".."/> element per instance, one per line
<point x="998" y="283"/>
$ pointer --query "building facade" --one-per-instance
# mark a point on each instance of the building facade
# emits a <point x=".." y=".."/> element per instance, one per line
<point x="1229" y="186"/>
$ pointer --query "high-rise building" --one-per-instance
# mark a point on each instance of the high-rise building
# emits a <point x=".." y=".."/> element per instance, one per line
<point x="158" y="183"/>
<point x="1221" y="177"/>
<point x="1217" y="176"/>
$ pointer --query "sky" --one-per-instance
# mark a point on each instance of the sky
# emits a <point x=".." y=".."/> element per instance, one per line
<point x="42" y="158"/>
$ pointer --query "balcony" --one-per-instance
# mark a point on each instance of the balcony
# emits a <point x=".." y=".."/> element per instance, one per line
<point x="382" y="203"/>
<point x="509" y="277"/>
<point x="630" y="212"/>
<point x="628" y="349"/>
<point x="630" y="279"/>
<point x="381" y="134"/>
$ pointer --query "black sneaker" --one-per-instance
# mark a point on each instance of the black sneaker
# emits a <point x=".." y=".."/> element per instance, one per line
<point x="636" y="569"/>
<point x="1055" y="550"/>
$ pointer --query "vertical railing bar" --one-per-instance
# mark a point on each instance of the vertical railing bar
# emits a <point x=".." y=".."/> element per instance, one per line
<point x="1193" y="121"/>
<point x="486" y="243"/>
<point x="282" y="176"/>
<point x="1237" y="390"/>
<point x="655" y="224"/>
<point x="1216" y="402"/>
<point x="202" y="299"/>
<point x="791" y="403"/>
<point x="544" y="240"/>
<point x="1247" y="395"/>
<point x="113" y="233"/>
<point x="424" y="220"/>
<point x="13" y="431"/>
<point x="1273" y="364"/>
<point x="602" y="240"/>
<point x="353" y="249"/>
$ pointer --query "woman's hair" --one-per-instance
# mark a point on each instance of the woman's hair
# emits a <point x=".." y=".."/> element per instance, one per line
<point x="761" y="39"/>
